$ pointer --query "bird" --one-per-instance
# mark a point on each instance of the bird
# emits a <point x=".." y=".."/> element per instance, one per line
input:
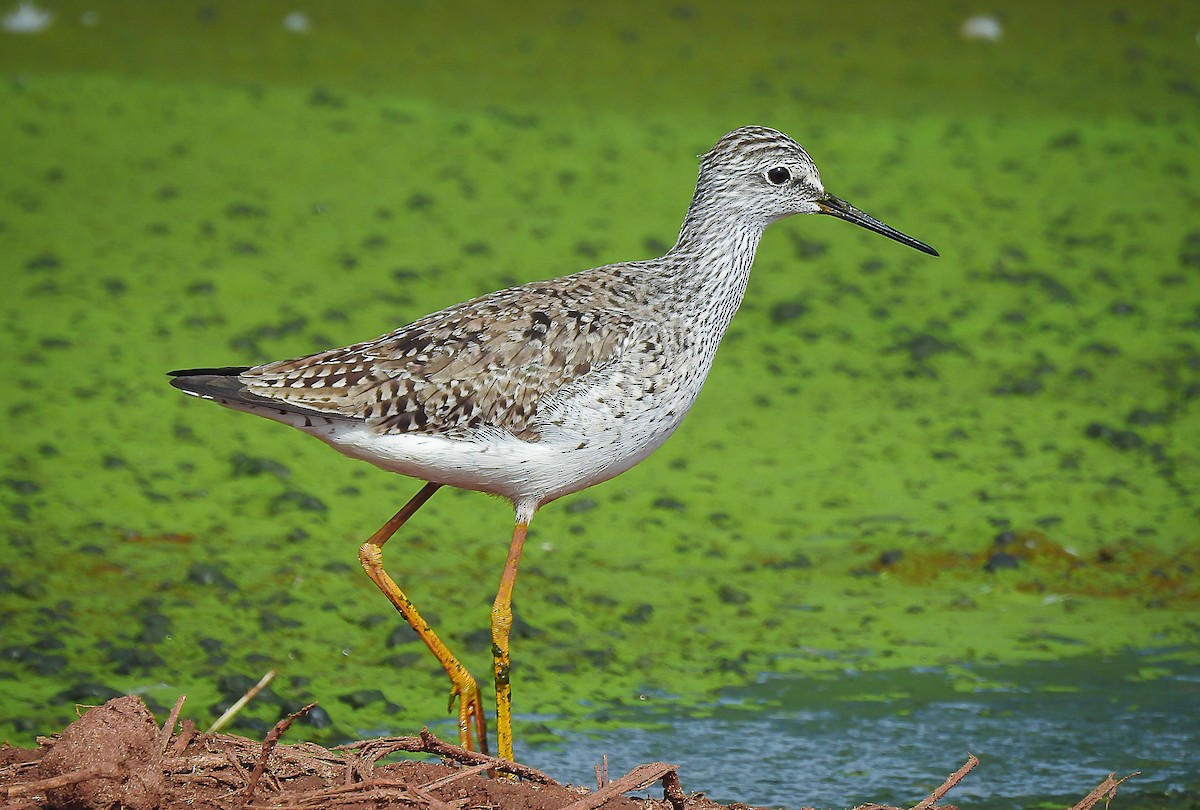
<point x="544" y="389"/>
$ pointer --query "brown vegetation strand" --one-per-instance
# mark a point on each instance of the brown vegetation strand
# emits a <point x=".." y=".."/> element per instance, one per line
<point x="268" y="744"/>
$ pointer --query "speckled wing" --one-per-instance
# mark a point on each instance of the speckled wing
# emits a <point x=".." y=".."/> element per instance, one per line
<point x="493" y="361"/>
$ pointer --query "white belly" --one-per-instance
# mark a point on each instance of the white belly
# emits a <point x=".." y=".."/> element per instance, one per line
<point x="580" y="444"/>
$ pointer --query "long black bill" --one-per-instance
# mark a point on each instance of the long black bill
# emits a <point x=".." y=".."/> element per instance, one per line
<point x="835" y="206"/>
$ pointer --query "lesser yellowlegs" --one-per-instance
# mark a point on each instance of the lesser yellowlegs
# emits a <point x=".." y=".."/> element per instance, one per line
<point x="541" y="390"/>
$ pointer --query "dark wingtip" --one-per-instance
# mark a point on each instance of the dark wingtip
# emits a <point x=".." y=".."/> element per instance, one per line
<point x="223" y="371"/>
<point x="210" y="383"/>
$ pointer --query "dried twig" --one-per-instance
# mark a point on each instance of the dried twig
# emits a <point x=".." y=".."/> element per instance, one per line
<point x="240" y="702"/>
<point x="432" y="745"/>
<point x="673" y="791"/>
<point x="951" y="780"/>
<point x="393" y="792"/>
<point x="187" y="730"/>
<point x="454" y="777"/>
<point x="269" y="743"/>
<point x="427" y="743"/>
<point x="164" y="733"/>
<point x="106" y="771"/>
<point x="1105" y="790"/>
<point x="231" y="757"/>
<point x="638" y="778"/>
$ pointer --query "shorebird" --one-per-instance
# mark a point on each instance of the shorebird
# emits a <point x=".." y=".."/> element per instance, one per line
<point x="541" y="390"/>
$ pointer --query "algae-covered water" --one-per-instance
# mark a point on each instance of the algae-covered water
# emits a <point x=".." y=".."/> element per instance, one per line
<point x="900" y="465"/>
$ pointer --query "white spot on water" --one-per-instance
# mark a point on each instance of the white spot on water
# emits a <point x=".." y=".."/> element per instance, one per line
<point x="26" y="18"/>
<point x="981" y="27"/>
<point x="297" y="22"/>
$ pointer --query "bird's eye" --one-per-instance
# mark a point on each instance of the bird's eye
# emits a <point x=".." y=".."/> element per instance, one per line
<point x="778" y="176"/>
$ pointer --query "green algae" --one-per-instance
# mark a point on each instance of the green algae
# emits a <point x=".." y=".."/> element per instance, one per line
<point x="878" y="427"/>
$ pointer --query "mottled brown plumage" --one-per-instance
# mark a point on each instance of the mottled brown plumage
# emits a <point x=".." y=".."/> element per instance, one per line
<point x="492" y="361"/>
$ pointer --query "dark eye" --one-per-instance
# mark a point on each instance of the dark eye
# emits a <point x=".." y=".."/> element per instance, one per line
<point x="778" y="176"/>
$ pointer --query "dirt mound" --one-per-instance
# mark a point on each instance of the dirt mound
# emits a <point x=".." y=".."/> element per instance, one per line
<point x="116" y="756"/>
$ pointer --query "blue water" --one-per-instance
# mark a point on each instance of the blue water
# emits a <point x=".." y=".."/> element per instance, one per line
<point x="1052" y="731"/>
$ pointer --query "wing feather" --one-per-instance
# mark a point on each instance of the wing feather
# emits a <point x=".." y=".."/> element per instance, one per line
<point x="494" y="361"/>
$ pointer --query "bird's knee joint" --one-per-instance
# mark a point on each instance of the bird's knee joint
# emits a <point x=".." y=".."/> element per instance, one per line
<point x="370" y="556"/>
<point x="502" y="622"/>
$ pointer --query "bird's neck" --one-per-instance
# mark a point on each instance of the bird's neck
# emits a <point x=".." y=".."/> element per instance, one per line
<point x="710" y="262"/>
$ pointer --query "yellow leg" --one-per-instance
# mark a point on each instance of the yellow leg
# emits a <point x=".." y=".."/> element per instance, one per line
<point x="502" y="619"/>
<point x="471" y="721"/>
